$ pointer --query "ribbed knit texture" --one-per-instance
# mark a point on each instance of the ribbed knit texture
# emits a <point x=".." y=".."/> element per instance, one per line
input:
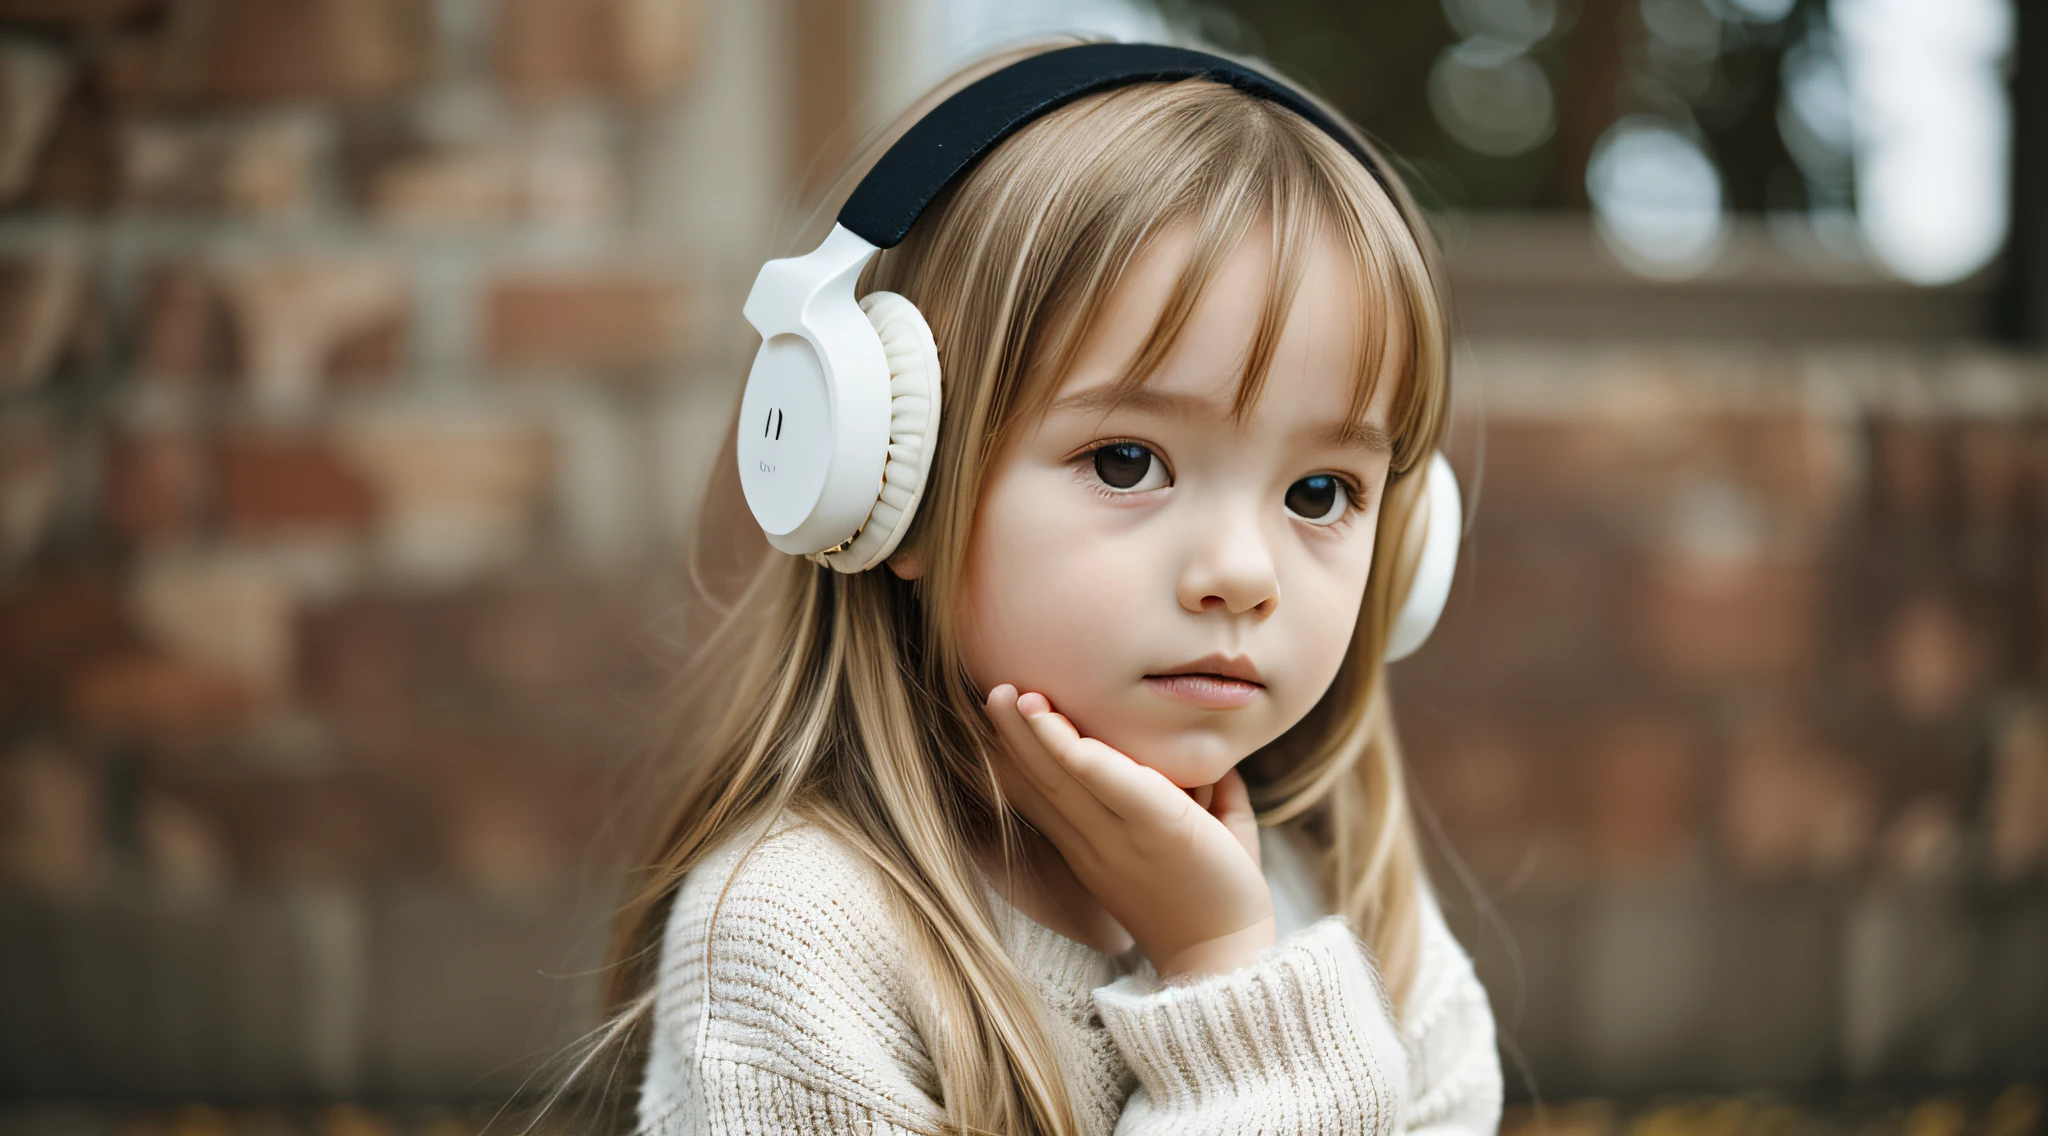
<point x="812" y="1003"/>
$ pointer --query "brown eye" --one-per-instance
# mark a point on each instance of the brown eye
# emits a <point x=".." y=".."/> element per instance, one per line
<point x="1130" y="467"/>
<point x="1319" y="499"/>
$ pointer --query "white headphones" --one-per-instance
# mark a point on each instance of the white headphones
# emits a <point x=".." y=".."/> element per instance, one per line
<point x="842" y="405"/>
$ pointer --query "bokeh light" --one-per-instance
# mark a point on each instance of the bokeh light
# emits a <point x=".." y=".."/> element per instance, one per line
<point x="1519" y="24"/>
<point x="1657" y="198"/>
<point x="1491" y="98"/>
<point x="1932" y="129"/>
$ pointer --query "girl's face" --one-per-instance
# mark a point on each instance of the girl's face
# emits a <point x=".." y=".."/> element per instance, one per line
<point x="1180" y="584"/>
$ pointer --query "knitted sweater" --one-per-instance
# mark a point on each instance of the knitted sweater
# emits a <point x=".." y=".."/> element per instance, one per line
<point x="797" y="1014"/>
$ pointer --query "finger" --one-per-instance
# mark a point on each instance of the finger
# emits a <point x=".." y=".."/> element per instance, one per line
<point x="1025" y="800"/>
<point x="1233" y="806"/>
<point x="1054" y="783"/>
<point x="1203" y="795"/>
<point x="1022" y="795"/>
<point x="1126" y="788"/>
<point x="1233" y="798"/>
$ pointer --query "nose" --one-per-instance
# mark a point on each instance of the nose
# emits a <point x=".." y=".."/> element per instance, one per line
<point x="1230" y="564"/>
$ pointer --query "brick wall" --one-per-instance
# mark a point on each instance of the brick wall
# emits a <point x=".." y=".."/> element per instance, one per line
<point x="354" y="387"/>
<point x="359" y="359"/>
<point x="1737" y="725"/>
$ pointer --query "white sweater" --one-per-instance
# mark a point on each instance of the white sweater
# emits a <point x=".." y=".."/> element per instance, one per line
<point x="796" y="1015"/>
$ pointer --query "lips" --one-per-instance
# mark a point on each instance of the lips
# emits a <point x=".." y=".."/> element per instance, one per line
<point x="1213" y="682"/>
<point x="1236" y="667"/>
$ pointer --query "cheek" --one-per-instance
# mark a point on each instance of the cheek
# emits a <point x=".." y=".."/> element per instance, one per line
<point x="1331" y="592"/>
<point x="1041" y="594"/>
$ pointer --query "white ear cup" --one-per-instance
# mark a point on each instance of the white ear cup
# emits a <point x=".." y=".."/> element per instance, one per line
<point x="1444" y="515"/>
<point x="814" y="419"/>
<point x="913" y="430"/>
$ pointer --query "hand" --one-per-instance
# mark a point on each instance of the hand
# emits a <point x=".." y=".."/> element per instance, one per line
<point x="1179" y="872"/>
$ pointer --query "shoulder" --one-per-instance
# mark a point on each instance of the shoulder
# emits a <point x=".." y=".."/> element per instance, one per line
<point x="1448" y="1022"/>
<point x="782" y="958"/>
<point x="796" y="884"/>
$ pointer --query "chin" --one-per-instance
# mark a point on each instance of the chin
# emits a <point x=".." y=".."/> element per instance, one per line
<point x="1190" y="758"/>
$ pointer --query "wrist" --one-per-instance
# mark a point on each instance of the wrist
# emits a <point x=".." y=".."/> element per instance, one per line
<point x="1219" y="955"/>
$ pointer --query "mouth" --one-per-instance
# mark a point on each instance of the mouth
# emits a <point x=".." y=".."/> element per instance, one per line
<point x="1213" y="682"/>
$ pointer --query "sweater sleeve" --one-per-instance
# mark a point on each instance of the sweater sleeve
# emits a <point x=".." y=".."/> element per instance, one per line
<point x="1301" y="1040"/>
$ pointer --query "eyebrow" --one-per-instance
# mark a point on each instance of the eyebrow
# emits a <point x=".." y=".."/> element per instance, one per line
<point x="1170" y="404"/>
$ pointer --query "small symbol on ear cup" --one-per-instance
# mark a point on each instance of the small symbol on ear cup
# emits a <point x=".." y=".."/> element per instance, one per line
<point x="774" y="422"/>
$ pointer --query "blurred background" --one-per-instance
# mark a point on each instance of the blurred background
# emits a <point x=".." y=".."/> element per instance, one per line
<point x="360" y="362"/>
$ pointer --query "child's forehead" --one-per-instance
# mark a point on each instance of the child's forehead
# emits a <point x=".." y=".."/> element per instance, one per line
<point x="1294" y="401"/>
<point x="1314" y="369"/>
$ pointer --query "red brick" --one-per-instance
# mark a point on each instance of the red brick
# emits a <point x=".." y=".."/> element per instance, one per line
<point x="253" y="50"/>
<point x="31" y="475"/>
<point x="594" y="318"/>
<point x="447" y="186"/>
<point x="512" y="825"/>
<point x="1912" y="471"/>
<point x="285" y="481"/>
<point x="261" y="168"/>
<point x="160" y="698"/>
<point x="185" y="333"/>
<point x="1490" y="789"/>
<point x="1534" y="610"/>
<point x="1803" y="466"/>
<point x="545" y="662"/>
<point x="1934" y="661"/>
<point x="42" y="299"/>
<point x="364" y="658"/>
<point x="1544" y="460"/>
<point x="1991" y="471"/>
<point x="373" y="355"/>
<point x="1717" y="620"/>
<point x="52" y="832"/>
<point x="293" y="316"/>
<point x="1794" y="805"/>
<point x="458" y="493"/>
<point x="500" y="835"/>
<point x="1640" y="794"/>
<point x="155" y="484"/>
<point x="629" y="47"/>
<point x="342" y="825"/>
<point x="228" y="612"/>
<point x="489" y="183"/>
<point x="50" y="625"/>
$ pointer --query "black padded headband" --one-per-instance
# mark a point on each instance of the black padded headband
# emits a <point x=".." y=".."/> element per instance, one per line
<point x="941" y="145"/>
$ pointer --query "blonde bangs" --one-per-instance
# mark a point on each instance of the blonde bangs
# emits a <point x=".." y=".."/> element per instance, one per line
<point x="1111" y="174"/>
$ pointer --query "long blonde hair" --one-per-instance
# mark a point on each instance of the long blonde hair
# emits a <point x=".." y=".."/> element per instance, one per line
<point x="842" y="698"/>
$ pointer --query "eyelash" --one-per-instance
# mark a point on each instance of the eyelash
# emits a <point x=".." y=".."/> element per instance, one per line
<point x="1084" y="469"/>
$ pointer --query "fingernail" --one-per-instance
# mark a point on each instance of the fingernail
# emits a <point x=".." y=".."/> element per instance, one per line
<point x="1032" y="705"/>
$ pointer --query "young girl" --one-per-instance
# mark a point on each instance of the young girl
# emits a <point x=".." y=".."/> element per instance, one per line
<point x="1195" y="361"/>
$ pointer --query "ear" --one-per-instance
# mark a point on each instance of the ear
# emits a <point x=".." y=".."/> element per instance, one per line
<point x="907" y="564"/>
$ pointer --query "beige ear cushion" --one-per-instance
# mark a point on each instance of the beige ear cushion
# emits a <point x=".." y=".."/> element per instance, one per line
<point x="913" y="428"/>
